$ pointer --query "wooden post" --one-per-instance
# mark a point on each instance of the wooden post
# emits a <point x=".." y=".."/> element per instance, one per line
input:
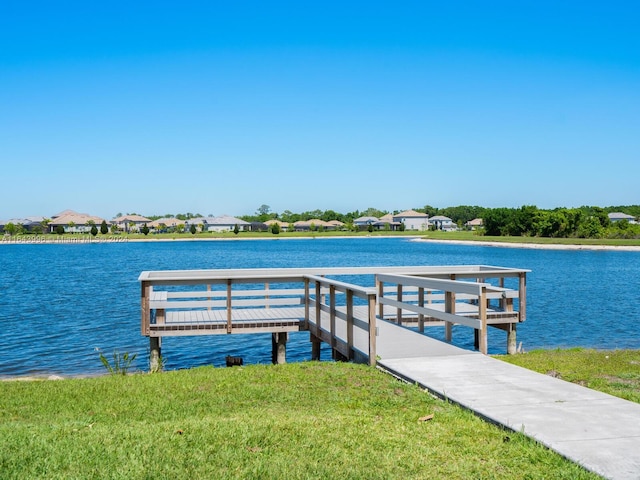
<point x="399" y="310"/>
<point x="155" y="354"/>
<point x="229" y="315"/>
<point x="350" y="323"/>
<point x="307" y="298"/>
<point x="266" y="296"/>
<point x="421" y="304"/>
<point x="279" y="348"/>
<point x="512" y="348"/>
<point x="315" y="347"/>
<point x="145" y="320"/>
<point x="522" y="297"/>
<point x="318" y="309"/>
<point x="332" y="315"/>
<point x="372" y="331"/>
<point x="449" y="307"/>
<point x="482" y="311"/>
<point x="380" y="286"/>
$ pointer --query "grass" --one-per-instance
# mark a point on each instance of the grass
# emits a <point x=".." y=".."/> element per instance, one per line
<point x="304" y="420"/>
<point x="616" y="372"/>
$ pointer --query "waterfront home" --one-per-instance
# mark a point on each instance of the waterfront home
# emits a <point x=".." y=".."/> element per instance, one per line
<point x="387" y="222"/>
<point x="162" y="225"/>
<point x="412" y="220"/>
<point x="618" y="216"/>
<point x="335" y="225"/>
<point x="130" y="223"/>
<point x="74" y="222"/>
<point x="474" y="224"/>
<point x="221" y="223"/>
<point x="440" y="222"/>
<point x="29" y="224"/>
<point x="363" y="223"/>
<point x="313" y="224"/>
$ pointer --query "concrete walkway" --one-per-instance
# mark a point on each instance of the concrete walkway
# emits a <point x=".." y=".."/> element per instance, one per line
<point x="596" y="430"/>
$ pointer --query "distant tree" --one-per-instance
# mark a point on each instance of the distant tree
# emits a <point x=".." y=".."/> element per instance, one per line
<point x="104" y="229"/>
<point x="114" y="228"/>
<point x="263" y="210"/>
<point x="370" y="228"/>
<point x="11" y="228"/>
<point x="145" y="230"/>
<point x="180" y="227"/>
<point x="94" y="230"/>
<point x="236" y="229"/>
<point x="275" y="228"/>
<point x="291" y="227"/>
<point x="402" y="227"/>
<point x="71" y="225"/>
<point x="59" y="229"/>
<point x="193" y="229"/>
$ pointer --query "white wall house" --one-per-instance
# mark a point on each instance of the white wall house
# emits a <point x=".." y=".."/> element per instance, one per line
<point x="73" y="222"/>
<point x="440" y="222"/>
<point x="131" y="223"/>
<point x="412" y="220"/>
<point x="618" y="216"/>
<point x="221" y="223"/>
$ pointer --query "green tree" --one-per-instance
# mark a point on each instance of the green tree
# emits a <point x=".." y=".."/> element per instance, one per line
<point x="11" y="228"/>
<point x="275" y="228"/>
<point x="94" y="230"/>
<point x="193" y="229"/>
<point x="236" y="229"/>
<point x="104" y="229"/>
<point x="145" y="230"/>
<point x="370" y="228"/>
<point x="59" y="229"/>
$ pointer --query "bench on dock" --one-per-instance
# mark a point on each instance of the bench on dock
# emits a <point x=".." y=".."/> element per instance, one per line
<point x="278" y="301"/>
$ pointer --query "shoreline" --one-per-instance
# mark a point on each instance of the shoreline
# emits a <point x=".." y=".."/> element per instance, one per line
<point x="536" y="246"/>
<point x="82" y="240"/>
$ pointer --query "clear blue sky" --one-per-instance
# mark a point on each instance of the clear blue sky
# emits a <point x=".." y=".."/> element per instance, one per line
<point x="219" y="107"/>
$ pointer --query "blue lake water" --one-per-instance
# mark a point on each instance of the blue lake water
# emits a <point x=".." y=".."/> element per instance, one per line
<point x="59" y="303"/>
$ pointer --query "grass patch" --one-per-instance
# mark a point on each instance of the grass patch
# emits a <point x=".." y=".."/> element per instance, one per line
<point x="304" y="420"/>
<point x="616" y="372"/>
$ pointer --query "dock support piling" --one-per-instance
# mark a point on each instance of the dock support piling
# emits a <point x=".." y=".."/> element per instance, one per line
<point x="315" y="347"/>
<point x="155" y="354"/>
<point x="279" y="347"/>
<point x="512" y="348"/>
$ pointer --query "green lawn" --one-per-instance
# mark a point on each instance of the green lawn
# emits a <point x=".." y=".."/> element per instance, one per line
<point x="304" y="420"/>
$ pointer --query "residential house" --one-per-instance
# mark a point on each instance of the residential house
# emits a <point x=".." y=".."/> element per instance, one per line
<point x="131" y="223"/>
<point x="74" y="222"/>
<point x="387" y="222"/>
<point x="221" y="223"/>
<point x="362" y="223"/>
<point x="313" y="224"/>
<point x="29" y="224"/>
<point x="474" y="224"/>
<point x="161" y="225"/>
<point x="440" y="222"/>
<point x="412" y="220"/>
<point x="618" y="216"/>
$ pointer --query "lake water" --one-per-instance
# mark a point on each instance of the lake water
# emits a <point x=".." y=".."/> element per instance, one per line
<point x="59" y="303"/>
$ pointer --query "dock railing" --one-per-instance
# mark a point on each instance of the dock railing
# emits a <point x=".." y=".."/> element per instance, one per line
<point x="342" y="318"/>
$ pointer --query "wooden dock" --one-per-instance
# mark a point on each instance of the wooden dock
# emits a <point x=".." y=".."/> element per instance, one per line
<point x="330" y="305"/>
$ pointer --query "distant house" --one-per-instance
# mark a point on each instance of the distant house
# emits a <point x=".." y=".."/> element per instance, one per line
<point x="474" y="224"/>
<point x="131" y="223"/>
<point x="618" y="216"/>
<point x="386" y="221"/>
<point x="164" y="224"/>
<point x="335" y="225"/>
<point x="74" y="222"/>
<point x="440" y="222"/>
<point x="221" y="223"/>
<point x="312" y="224"/>
<point x="412" y="220"/>
<point x="362" y="223"/>
<point x="29" y="224"/>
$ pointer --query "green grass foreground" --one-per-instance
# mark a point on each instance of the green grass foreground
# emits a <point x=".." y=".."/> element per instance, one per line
<point x="616" y="372"/>
<point x="304" y="420"/>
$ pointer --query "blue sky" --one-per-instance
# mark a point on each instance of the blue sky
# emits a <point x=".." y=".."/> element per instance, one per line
<point x="220" y="107"/>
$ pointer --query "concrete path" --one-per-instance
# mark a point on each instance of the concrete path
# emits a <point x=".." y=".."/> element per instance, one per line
<point x="593" y="429"/>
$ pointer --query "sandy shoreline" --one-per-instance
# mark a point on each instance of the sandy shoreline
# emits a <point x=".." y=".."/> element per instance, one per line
<point x="535" y="246"/>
